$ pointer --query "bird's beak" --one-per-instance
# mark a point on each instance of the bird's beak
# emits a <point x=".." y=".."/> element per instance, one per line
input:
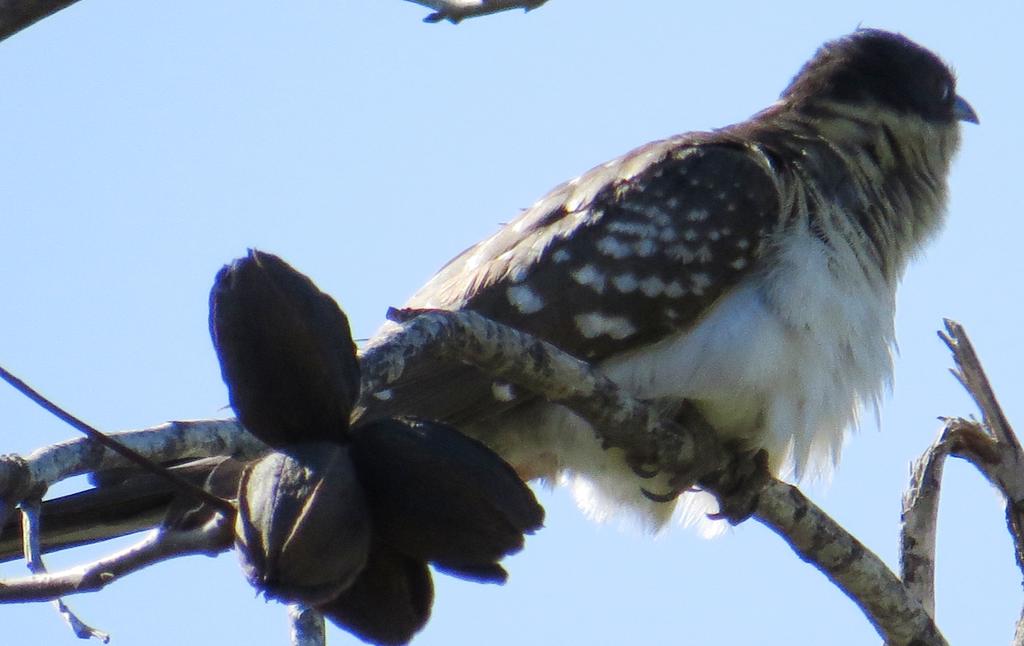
<point x="963" y="110"/>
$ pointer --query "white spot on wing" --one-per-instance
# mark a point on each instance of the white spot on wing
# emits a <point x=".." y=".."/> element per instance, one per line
<point x="739" y="263"/>
<point x="674" y="289"/>
<point x="502" y="391"/>
<point x="519" y="274"/>
<point x="699" y="282"/>
<point x="589" y="276"/>
<point x="612" y="246"/>
<point x="595" y="324"/>
<point x="383" y="395"/>
<point x="652" y="286"/>
<point x="645" y="248"/>
<point x="560" y="256"/>
<point x="681" y="253"/>
<point x="625" y="283"/>
<point x="639" y="229"/>
<point x="524" y="299"/>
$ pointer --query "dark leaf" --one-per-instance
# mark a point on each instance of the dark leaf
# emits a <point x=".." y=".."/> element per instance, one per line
<point x="389" y="602"/>
<point x="285" y="350"/>
<point x="442" y="497"/>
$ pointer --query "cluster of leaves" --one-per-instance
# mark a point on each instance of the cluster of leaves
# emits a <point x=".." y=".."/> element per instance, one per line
<point x="345" y="519"/>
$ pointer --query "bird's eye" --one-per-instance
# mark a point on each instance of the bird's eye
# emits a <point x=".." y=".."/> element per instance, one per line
<point x="945" y="91"/>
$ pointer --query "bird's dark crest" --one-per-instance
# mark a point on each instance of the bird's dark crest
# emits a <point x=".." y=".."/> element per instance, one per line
<point x="872" y="65"/>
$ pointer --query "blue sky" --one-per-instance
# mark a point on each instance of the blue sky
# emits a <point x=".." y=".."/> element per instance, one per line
<point x="143" y="145"/>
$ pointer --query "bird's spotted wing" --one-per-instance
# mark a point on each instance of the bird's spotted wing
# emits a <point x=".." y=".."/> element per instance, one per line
<point x="623" y="256"/>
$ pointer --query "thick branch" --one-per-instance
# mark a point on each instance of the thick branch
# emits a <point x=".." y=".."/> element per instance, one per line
<point x="627" y="423"/>
<point x="163" y="443"/>
<point x="822" y="542"/>
<point x="505" y="353"/>
<point x="454" y="11"/>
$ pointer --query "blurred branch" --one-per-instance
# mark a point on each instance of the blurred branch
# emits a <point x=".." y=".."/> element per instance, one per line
<point x="454" y="11"/>
<point x="16" y="15"/>
<point x="307" y="626"/>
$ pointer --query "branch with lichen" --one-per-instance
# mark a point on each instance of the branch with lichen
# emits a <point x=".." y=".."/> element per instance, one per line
<point x="990" y="445"/>
<point x="692" y="451"/>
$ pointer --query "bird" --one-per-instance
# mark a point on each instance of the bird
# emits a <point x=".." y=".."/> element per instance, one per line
<point x="749" y="270"/>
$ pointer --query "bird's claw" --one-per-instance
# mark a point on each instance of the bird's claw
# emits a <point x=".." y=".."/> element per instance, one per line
<point x="738" y="486"/>
<point x="643" y="471"/>
<point x="661" y="497"/>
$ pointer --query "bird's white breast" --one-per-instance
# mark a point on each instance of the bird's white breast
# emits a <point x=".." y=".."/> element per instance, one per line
<point x="784" y="361"/>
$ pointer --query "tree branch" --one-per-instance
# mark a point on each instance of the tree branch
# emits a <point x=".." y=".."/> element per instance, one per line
<point x="163" y="443"/>
<point x="819" y="540"/>
<point x="625" y="422"/>
<point x="34" y="558"/>
<point x="505" y="353"/>
<point x="455" y="11"/>
<point x="620" y="420"/>
<point x="213" y="538"/>
<point x="307" y="626"/>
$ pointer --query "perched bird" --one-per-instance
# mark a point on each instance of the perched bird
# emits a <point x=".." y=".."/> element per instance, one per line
<point x="750" y="270"/>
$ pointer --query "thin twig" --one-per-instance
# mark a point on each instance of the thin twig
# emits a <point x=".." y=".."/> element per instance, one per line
<point x="454" y="11"/>
<point x="34" y="558"/>
<point x="971" y="374"/>
<point x="995" y="449"/>
<point x="141" y="461"/>
<point x="210" y="539"/>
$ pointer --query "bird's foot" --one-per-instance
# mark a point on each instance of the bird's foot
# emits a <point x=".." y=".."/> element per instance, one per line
<point x="738" y="485"/>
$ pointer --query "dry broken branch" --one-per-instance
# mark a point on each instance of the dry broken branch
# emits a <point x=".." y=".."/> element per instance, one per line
<point x="991" y="446"/>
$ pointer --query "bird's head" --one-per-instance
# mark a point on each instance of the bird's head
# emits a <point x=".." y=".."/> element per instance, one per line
<point x="880" y="71"/>
<point x="881" y="87"/>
